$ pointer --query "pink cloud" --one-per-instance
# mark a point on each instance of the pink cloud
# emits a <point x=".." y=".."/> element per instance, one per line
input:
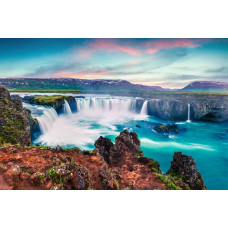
<point x="109" y="46"/>
<point x="151" y="50"/>
<point x="157" y="45"/>
<point x="106" y="45"/>
<point x="149" y="47"/>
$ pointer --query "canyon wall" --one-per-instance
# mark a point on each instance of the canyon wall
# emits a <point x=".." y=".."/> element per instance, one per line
<point x="207" y="109"/>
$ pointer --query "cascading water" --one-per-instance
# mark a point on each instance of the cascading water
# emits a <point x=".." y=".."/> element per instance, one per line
<point x="67" y="108"/>
<point x="188" y="120"/>
<point x="47" y="119"/>
<point x="144" y="108"/>
<point x="106" y="104"/>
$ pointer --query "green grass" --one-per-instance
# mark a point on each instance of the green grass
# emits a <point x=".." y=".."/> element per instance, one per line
<point x="51" y="173"/>
<point x="154" y="166"/>
<point x="168" y="182"/>
<point x="48" y="100"/>
<point x="40" y="175"/>
<point x="139" y="153"/>
<point x="138" y="93"/>
<point x="171" y="173"/>
<point x="116" y="185"/>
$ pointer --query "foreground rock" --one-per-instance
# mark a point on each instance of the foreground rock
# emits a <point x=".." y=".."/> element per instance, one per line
<point x="110" y="166"/>
<point x="15" y="121"/>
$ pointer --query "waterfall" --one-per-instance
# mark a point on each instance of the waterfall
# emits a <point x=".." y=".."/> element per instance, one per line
<point x="144" y="108"/>
<point x="189" y="113"/>
<point x="67" y="108"/>
<point x="47" y="119"/>
<point x="106" y="104"/>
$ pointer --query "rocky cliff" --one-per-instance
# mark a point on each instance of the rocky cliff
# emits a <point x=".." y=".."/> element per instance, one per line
<point x="206" y="108"/>
<point x="110" y="166"/>
<point x="15" y="121"/>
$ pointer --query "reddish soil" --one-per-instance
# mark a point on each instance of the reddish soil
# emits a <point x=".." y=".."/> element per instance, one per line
<point x="19" y="168"/>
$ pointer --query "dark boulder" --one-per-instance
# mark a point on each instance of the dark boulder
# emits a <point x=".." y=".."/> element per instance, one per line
<point x="104" y="145"/>
<point x="169" y="128"/>
<point x="127" y="143"/>
<point x="184" y="168"/>
<point x="28" y="99"/>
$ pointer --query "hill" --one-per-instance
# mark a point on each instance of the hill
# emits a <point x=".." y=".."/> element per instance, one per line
<point x="208" y="86"/>
<point x="72" y="84"/>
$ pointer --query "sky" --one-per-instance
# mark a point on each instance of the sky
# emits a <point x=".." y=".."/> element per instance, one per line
<point x="169" y="63"/>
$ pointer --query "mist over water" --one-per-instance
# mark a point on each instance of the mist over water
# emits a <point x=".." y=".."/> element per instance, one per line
<point x="108" y="116"/>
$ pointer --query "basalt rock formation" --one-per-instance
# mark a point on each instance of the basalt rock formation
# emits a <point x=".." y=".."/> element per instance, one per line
<point x="15" y="121"/>
<point x="184" y="167"/>
<point x="119" y="165"/>
<point x="203" y="107"/>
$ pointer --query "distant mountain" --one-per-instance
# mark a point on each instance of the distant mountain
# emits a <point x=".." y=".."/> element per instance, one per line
<point x="206" y="86"/>
<point x="73" y="84"/>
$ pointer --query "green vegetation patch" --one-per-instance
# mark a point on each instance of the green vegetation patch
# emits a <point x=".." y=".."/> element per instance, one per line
<point x="168" y="182"/>
<point x="49" y="100"/>
<point x="52" y="173"/>
<point x="154" y="166"/>
<point x="12" y="125"/>
<point x="176" y="176"/>
<point x="139" y="153"/>
<point x="116" y="185"/>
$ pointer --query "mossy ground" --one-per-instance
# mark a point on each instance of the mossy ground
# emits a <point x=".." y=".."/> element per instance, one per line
<point x="12" y="125"/>
<point x="168" y="181"/>
<point x="49" y="100"/>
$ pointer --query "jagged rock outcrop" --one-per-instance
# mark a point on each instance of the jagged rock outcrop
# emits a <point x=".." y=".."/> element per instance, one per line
<point x="15" y="121"/>
<point x="117" y="153"/>
<point x="184" y="167"/>
<point x="104" y="147"/>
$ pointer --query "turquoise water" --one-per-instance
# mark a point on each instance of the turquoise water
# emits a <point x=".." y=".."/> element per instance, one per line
<point x="205" y="142"/>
